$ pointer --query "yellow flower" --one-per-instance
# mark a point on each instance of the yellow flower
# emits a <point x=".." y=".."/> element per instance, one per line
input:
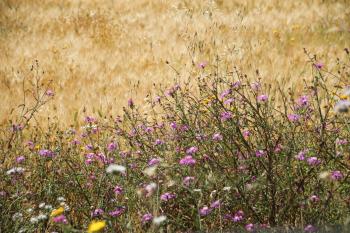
<point x="57" y="212"/>
<point x="96" y="226"/>
<point x="37" y="147"/>
<point x="343" y="97"/>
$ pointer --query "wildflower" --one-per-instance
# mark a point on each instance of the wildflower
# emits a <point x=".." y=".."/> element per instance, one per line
<point x="293" y="117"/>
<point x="112" y="146"/>
<point x="159" y="220"/>
<point x="215" y="204"/>
<point x="15" y="170"/>
<point x="46" y="153"/>
<point x="336" y="175"/>
<point x="313" y="161"/>
<point x="17" y="217"/>
<point x="158" y="142"/>
<point x="319" y="65"/>
<point x="236" y="84"/>
<point x="260" y="153"/>
<point x="310" y="228"/>
<point x="255" y="86"/>
<point x="49" y="92"/>
<point x="225" y="93"/>
<point x="239" y="215"/>
<point x="227" y="188"/>
<point x="146" y="218"/>
<point x="130" y="103"/>
<point x="341" y="141"/>
<point x="301" y="155"/>
<point x="188" y="160"/>
<point x="113" y="168"/>
<point x="173" y="125"/>
<point x="324" y="175"/>
<point x="41" y="205"/>
<point x="97" y="212"/>
<point x="226" y="116"/>
<point x="48" y="207"/>
<point x="249" y="227"/>
<point x="205" y="210"/>
<point x="96" y="226"/>
<point x="191" y="150"/>
<point x="150" y="188"/>
<point x="217" y="137"/>
<point x="34" y="220"/>
<point x="167" y="196"/>
<point x="57" y="212"/>
<point x="303" y="100"/>
<point x="229" y="101"/>
<point x="314" y="198"/>
<point x="90" y="119"/>
<point x="20" y="159"/>
<point x="342" y="106"/>
<point x="118" y="190"/>
<point x="202" y="64"/>
<point x="153" y="161"/>
<point x="60" y="219"/>
<point x="188" y="180"/>
<point x="262" y="98"/>
<point x="117" y="212"/>
<point x="41" y="217"/>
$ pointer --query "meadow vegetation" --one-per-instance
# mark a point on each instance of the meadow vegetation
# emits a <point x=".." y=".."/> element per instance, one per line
<point x="179" y="116"/>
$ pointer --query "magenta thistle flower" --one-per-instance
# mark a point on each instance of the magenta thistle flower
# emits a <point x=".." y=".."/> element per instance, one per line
<point x="112" y="146"/>
<point x="153" y="162"/>
<point x="90" y="119"/>
<point x="188" y="180"/>
<point x="167" y="196"/>
<point x="313" y="161"/>
<point x="158" y="142"/>
<point x="146" y="218"/>
<point x="229" y="101"/>
<point x="319" y="65"/>
<point x="118" y="190"/>
<point x="260" y="153"/>
<point x="49" y="92"/>
<point x="301" y="155"/>
<point x="255" y="86"/>
<point x="46" y="153"/>
<point x="246" y="133"/>
<point x="225" y="93"/>
<point x="226" y="116"/>
<point x="336" y="175"/>
<point x="239" y="215"/>
<point x="20" y="159"/>
<point x="205" y="210"/>
<point x="249" y="227"/>
<point x="60" y="219"/>
<point x="188" y="160"/>
<point x="310" y="228"/>
<point x="303" y="100"/>
<point x="97" y="212"/>
<point x="314" y="198"/>
<point x="173" y="125"/>
<point x="293" y="117"/>
<point x="117" y="212"/>
<point x="215" y="204"/>
<point x="191" y="150"/>
<point x="262" y="98"/>
<point x="202" y="64"/>
<point x="217" y="137"/>
<point x="130" y="103"/>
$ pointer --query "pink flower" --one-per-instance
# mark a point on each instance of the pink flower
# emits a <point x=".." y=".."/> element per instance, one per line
<point x="20" y="159"/>
<point x="202" y="64"/>
<point x="167" y="196"/>
<point x="153" y="162"/>
<point x="60" y="219"/>
<point x="314" y="198"/>
<point x="49" y="92"/>
<point x="249" y="227"/>
<point x="192" y="150"/>
<point x="112" y="146"/>
<point x="313" y="161"/>
<point x="97" y="212"/>
<point x="118" y="190"/>
<point x="217" y="137"/>
<point x="336" y="175"/>
<point x="188" y="180"/>
<point x="146" y="218"/>
<point x="90" y="119"/>
<point x="205" y="210"/>
<point x="188" y="160"/>
<point x="310" y="228"/>
<point x="226" y="116"/>
<point x="319" y="65"/>
<point x="117" y="212"/>
<point x="293" y="117"/>
<point x="301" y="155"/>
<point x="260" y="153"/>
<point x="215" y="204"/>
<point x="262" y="98"/>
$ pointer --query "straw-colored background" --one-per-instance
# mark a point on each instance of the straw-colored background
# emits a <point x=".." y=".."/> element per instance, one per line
<point x="95" y="51"/>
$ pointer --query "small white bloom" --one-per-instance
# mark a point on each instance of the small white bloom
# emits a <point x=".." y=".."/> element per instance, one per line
<point x="15" y="170"/>
<point x="197" y="190"/>
<point x="159" y="220"/>
<point x="113" y="168"/>
<point x="41" y="217"/>
<point x="227" y="188"/>
<point x="151" y="187"/>
<point x="150" y="171"/>
<point x="34" y="220"/>
<point x="48" y="207"/>
<point x="323" y="175"/>
<point x="61" y="199"/>
<point x="30" y="210"/>
<point x="41" y="205"/>
<point x="17" y="216"/>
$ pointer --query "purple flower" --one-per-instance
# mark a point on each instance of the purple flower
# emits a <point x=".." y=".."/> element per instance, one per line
<point x="167" y="196"/>
<point x="255" y="86"/>
<point x="146" y="218"/>
<point x="20" y="159"/>
<point x="173" y="125"/>
<point x="260" y="153"/>
<point x="217" y="137"/>
<point x="246" y="133"/>
<point x="301" y="155"/>
<point x="204" y="211"/>
<point x="303" y="100"/>
<point x="97" y="212"/>
<point x="319" y="65"/>
<point x="153" y="161"/>
<point x="30" y="145"/>
<point x="215" y="204"/>
<point x="158" y="142"/>
<point x="50" y="93"/>
<point x="293" y="117"/>
<point x="112" y="146"/>
<point x="262" y="98"/>
<point x="336" y="175"/>
<point x="314" y="198"/>
<point x="117" y="212"/>
<point x="236" y="84"/>
<point x="130" y="103"/>
<point x="191" y="150"/>
<point x="310" y="228"/>
<point x="90" y="119"/>
<point x="202" y="64"/>
<point x="226" y="116"/>
<point x="249" y="227"/>
<point x="225" y="93"/>
<point x="229" y="101"/>
<point x="313" y="161"/>
<point x="188" y="180"/>
<point x="341" y="141"/>
<point x="188" y="160"/>
<point x="118" y="190"/>
<point x="60" y="219"/>
<point x="46" y="153"/>
<point x="239" y="215"/>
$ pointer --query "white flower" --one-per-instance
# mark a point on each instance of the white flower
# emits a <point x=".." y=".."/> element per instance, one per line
<point x="17" y="216"/>
<point x="29" y="210"/>
<point x="41" y="205"/>
<point x="34" y="220"/>
<point x="197" y="190"/>
<point x="159" y="220"/>
<point x="14" y="170"/>
<point x="323" y="175"/>
<point x="227" y="188"/>
<point x="342" y="106"/>
<point x="61" y="199"/>
<point x="41" y="217"/>
<point x="150" y="171"/>
<point x="115" y="168"/>
<point x="48" y="207"/>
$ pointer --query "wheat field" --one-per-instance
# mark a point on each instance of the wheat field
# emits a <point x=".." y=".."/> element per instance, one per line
<point x="99" y="53"/>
